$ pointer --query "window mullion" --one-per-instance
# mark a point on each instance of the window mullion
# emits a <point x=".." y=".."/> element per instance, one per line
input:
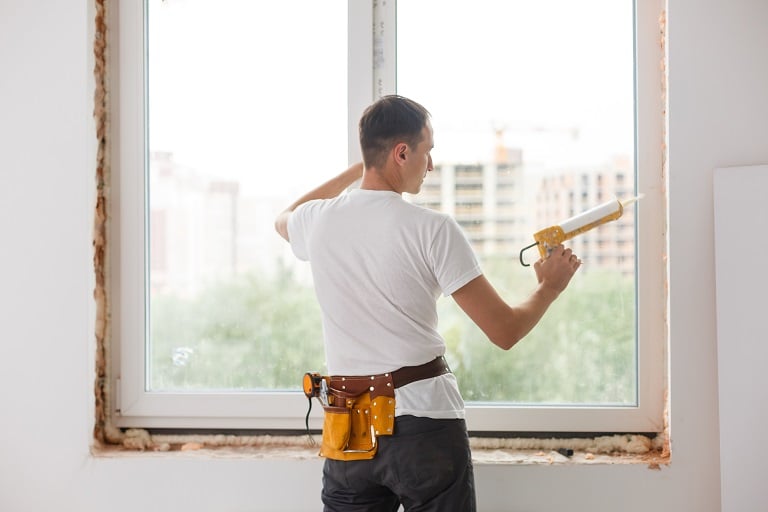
<point x="384" y="48"/>
<point x="359" y="70"/>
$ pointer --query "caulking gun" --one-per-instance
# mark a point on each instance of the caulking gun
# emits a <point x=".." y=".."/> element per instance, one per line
<point x="552" y="236"/>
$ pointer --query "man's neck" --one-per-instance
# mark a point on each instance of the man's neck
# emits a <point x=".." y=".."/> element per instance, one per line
<point x="378" y="179"/>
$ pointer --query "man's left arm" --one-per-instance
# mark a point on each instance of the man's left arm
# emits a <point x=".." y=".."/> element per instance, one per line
<point x="327" y="190"/>
<point x="505" y="325"/>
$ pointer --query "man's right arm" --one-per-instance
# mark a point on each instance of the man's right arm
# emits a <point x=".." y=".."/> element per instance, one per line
<point x="505" y="325"/>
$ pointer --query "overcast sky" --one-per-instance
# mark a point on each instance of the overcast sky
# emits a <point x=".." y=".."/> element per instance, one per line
<point x="258" y="89"/>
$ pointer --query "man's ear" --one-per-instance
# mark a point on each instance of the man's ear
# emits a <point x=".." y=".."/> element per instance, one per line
<point x="400" y="152"/>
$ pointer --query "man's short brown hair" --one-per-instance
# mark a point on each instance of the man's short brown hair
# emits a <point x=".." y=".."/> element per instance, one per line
<point x="386" y="122"/>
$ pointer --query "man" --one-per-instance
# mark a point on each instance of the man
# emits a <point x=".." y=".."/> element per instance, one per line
<point x="379" y="265"/>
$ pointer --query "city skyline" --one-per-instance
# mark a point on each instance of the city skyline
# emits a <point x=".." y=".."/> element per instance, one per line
<point x="204" y="229"/>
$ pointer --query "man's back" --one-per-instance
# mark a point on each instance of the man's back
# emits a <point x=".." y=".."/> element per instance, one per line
<point x="379" y="265"/>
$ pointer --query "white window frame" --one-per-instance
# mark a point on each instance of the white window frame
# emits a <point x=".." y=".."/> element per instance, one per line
<point x="134" y="406"/>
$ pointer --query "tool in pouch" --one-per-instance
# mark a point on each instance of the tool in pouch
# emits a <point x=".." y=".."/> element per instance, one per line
<point x="359" y="409"/>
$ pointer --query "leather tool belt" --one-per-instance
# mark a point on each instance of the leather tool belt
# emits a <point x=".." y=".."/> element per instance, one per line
<point x="359" y="409"/>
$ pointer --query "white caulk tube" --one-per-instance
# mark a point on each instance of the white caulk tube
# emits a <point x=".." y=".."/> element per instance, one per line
<point x="552" y="236"/>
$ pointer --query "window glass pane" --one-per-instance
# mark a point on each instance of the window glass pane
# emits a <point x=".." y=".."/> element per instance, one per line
<point x="244" y="99"/>
<point x="533" y="112"/>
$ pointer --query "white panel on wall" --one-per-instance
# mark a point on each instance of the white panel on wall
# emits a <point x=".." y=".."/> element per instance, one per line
<point x="741" y="262"/>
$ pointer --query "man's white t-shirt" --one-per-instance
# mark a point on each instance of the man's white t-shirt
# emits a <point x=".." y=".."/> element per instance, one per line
<point x="379" y="265"/>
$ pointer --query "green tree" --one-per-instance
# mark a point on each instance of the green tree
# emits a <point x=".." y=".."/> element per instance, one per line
<point x="583" y="350"/>
<point x="257" y="332"/>
<point x="252" y="332"/>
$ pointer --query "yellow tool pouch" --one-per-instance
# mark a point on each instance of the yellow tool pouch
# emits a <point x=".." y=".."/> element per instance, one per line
<point x="357" y="411"/>
<point x="351" y="432"/>
<point x="360" y="409"/>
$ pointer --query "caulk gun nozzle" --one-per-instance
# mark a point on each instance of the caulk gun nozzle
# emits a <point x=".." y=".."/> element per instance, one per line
<point x="631" y="200"/>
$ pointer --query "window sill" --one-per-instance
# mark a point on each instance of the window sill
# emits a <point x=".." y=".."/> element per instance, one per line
<point x="616" y="449"/>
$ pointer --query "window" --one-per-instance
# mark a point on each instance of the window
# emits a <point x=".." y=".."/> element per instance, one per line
<point x="215" y="322"/>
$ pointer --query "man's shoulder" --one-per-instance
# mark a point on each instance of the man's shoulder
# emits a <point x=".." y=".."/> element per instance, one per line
<point x="316" y="205"/>
<point x="426" y="211"/>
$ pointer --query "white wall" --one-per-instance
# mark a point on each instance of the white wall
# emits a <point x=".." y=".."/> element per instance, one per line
<point x="718" y="108"/>
<point x="740" y="212"/>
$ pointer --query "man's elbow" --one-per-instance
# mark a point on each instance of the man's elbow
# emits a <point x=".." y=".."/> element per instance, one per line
<point x="505" y="343"/>
<point x="506" y="339"/>
<point x="281" y="225"/>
